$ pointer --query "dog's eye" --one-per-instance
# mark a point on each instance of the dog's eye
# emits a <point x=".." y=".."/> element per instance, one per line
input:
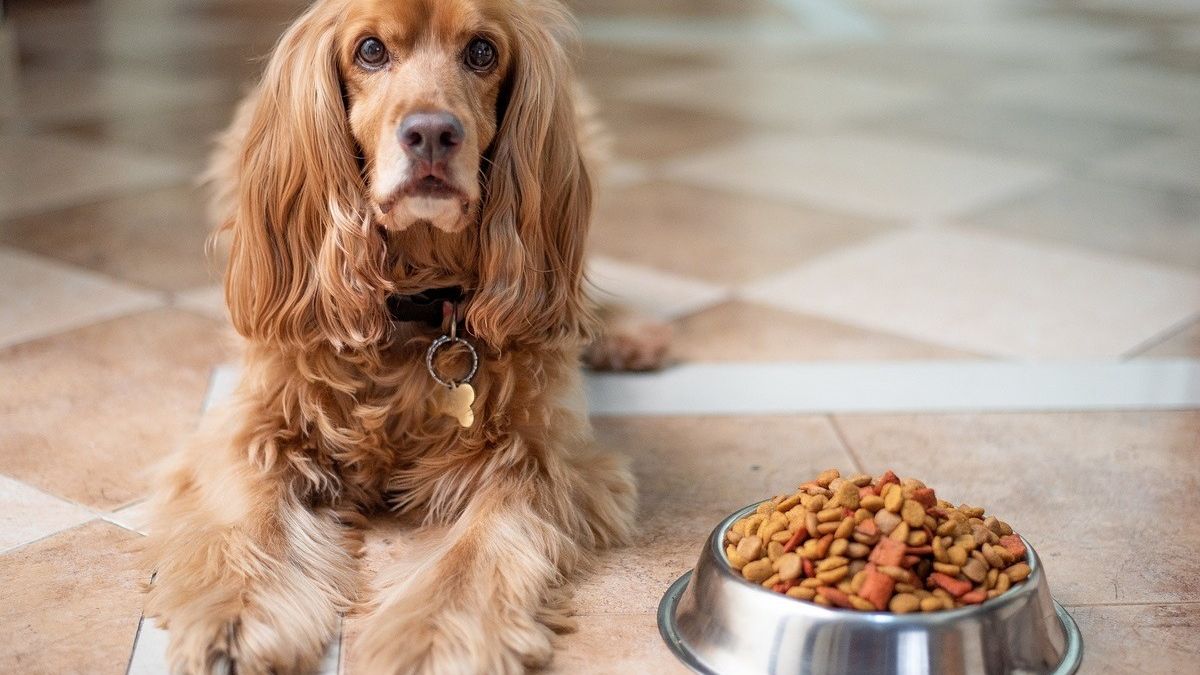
<point x="480" y="55"/>
<point x="371" y="54"/>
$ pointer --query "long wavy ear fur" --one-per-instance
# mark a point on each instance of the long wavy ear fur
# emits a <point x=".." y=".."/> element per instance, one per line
<point x="538" y="198"/>
<point x="306" y="267"/>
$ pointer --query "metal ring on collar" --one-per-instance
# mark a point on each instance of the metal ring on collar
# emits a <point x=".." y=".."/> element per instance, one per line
<point x="442" y="342"/>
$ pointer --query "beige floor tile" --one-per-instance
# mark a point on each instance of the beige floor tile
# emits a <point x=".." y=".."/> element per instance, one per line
<point x="745" y="331"/>
<point x="155" y="239"/>
<point x="1093" y="492"/>
<point x="658" y="294"/>
<point x="1157" y="225"/>
<point x="71" y="603"/>
<point x="951" y="70"/>
<point x="720" y="237"/>
<point x="1183" y="343"/>
<point x="873" y="175"/>
<point x="79" y="94"/>
<point x="649" y="132"/>
<point x="42" y="173"/>
<point x="188" y="137"/>
<point x="615" y="645"/>
<point x="1118" y="640"/>
<point x="1019" y="132"/>
<point x="783" y="98"/>
<point x="1142" y="96"/>
<point x="1166" y="162"/>
<point x="39" y="297"/>
<point x="693" y="472"/>
<point x="990" y="295"/>
<point x="88" y="411"/>
<point x="28" y="514"/>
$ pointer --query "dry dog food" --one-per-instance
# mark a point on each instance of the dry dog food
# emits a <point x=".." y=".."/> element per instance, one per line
<point x="875" y="545"/>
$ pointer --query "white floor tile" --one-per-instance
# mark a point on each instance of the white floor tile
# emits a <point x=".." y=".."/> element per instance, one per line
<point x="224" y="381"/>
<point x="135" y="518"/>
<point x="39" y="297"/>
<point x="28" y="514"/>
<point x="878" y="176"/>
<point x="988" y="294"/>
<point x="660" y="295"/>
<point x="898" y="387"/>
<point x="208" y="300"/>
<point x="1168" y="162"/>
<point x="1051" y="40"/>
<point x="150" y="652"/>
<point x="1131" y="95"/>
<point x="40" y="174"/>
<point x="72" y="94"/>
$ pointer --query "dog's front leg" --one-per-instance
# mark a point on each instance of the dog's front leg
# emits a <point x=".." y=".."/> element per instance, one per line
<point x="485" y="594"/>
<point x="249" y="579"/>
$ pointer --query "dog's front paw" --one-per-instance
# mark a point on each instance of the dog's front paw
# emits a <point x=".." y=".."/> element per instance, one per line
<point x="427" y="640"/>
<point x="245" y="645"/>
<point x="629" y="341"/>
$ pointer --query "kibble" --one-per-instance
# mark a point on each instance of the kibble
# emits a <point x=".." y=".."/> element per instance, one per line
<point x="874" y="545"/>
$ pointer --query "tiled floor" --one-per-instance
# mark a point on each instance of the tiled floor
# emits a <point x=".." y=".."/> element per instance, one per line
<point x="906" y="206"/>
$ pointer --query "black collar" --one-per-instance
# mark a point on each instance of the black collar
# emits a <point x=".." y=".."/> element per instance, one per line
<point x="427" y="306"/>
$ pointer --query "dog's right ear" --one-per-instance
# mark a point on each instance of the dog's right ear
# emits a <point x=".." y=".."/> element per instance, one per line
<point x="306" y="267"/>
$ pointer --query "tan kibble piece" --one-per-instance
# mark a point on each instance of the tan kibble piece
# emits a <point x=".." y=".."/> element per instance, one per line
<point x="913" y="513"/>
<point x="758" y="571"/>
<point x="839" y="547"/>
<point x="957" y="555"/>
<point x="750" y="548"/>
<point x="931" y="604"/>
<point x="827" y="477"/>
<point x="862" y="604"/>
<point x="887" y="521"/>
<point x="790" y="566"/>
<point x="871" y="503"/>
<point x="903" y="603"/>
<point x="801" y="593"/>
<point x="1018" y="572"/>
<point x="847" y="495"/>
<point x="893" y="498"/>
<point x="974" y="570"/>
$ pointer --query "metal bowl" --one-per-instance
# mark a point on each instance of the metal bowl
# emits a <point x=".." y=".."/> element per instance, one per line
<point x="719" y="624"/>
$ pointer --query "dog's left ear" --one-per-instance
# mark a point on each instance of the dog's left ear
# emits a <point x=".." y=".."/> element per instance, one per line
<point x="538" y="199"/>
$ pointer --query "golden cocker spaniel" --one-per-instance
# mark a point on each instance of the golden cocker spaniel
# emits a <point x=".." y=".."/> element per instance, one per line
<point x="406" y="199"/>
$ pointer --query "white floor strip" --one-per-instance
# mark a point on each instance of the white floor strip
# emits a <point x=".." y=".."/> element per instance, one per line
<point x="893" y="387"/>
<point x="881" y="387"/>
<point x="150" y="653"/>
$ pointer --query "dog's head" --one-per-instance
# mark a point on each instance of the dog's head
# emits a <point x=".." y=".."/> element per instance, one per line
<point x="398" y="141"/>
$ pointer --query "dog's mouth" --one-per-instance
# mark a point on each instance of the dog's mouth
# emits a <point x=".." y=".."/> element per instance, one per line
<point x="427" y="187"/>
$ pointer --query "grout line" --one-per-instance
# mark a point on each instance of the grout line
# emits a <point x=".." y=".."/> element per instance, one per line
<point x="1134" y="604"/>
<point x="841" y="439"/>
<point x="1157" y="339"/>
<point x="137" y="637"/>
<point x="44" y="537"/>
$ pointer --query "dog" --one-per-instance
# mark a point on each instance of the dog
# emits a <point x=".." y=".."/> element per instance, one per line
<point x="406" y="197"/>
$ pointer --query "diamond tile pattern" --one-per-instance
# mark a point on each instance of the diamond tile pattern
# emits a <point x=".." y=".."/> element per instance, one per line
<point x="853" y="184"/>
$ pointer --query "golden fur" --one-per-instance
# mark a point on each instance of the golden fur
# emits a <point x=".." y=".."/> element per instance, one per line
<point x="254" y="536"/>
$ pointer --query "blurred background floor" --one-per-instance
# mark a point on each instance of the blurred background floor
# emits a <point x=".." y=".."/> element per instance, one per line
<point x="933" y="182"/>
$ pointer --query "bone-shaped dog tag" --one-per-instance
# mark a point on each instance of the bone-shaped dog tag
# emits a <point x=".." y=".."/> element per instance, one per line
<point x="457" y="404"/>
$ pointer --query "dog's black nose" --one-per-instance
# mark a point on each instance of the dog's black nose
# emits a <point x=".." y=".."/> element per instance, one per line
<point x="432" y="137"/>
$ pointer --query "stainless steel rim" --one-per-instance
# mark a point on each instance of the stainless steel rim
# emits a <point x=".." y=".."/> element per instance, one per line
<point x="668" y="630"/>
